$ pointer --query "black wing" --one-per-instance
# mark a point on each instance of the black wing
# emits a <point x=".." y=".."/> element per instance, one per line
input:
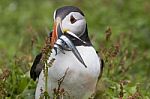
<point x="36" y="67"/>
<point x="102" y="66"/>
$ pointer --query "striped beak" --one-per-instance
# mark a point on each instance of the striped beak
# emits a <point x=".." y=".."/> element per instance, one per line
<point x="57" y="32"/>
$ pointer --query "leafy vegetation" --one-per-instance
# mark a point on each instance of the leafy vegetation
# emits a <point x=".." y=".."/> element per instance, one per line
<point x="119" y="30"/>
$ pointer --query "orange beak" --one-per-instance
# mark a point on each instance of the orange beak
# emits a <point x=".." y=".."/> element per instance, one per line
<point x="54" y="35"/>
<point x="57" y="32"/>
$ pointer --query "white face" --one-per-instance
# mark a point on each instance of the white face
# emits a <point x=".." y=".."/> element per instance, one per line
<point x="74" y="22"/>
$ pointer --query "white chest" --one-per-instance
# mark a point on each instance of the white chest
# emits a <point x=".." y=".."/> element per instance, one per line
<point x="79" y="82"/>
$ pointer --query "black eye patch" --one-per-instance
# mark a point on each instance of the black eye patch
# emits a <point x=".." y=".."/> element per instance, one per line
<point x="72" y="19"/>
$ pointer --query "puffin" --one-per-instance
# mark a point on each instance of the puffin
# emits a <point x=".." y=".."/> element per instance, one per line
<point x="77" y="67"/>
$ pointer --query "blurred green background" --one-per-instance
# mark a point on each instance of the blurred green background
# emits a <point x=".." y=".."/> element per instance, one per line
<point x="24" y="25"/>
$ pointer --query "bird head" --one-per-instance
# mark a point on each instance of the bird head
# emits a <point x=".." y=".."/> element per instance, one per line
<point x="68" y="19"/>
<point x="71" y="27"/>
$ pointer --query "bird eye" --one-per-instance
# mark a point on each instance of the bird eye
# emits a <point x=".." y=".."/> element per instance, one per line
<point x="72" y="19"/>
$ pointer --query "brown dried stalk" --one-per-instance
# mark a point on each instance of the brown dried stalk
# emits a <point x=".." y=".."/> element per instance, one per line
<point x="59" y="92"/>
<point x="108" y="33"/>
<point x="46" y="51"/>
